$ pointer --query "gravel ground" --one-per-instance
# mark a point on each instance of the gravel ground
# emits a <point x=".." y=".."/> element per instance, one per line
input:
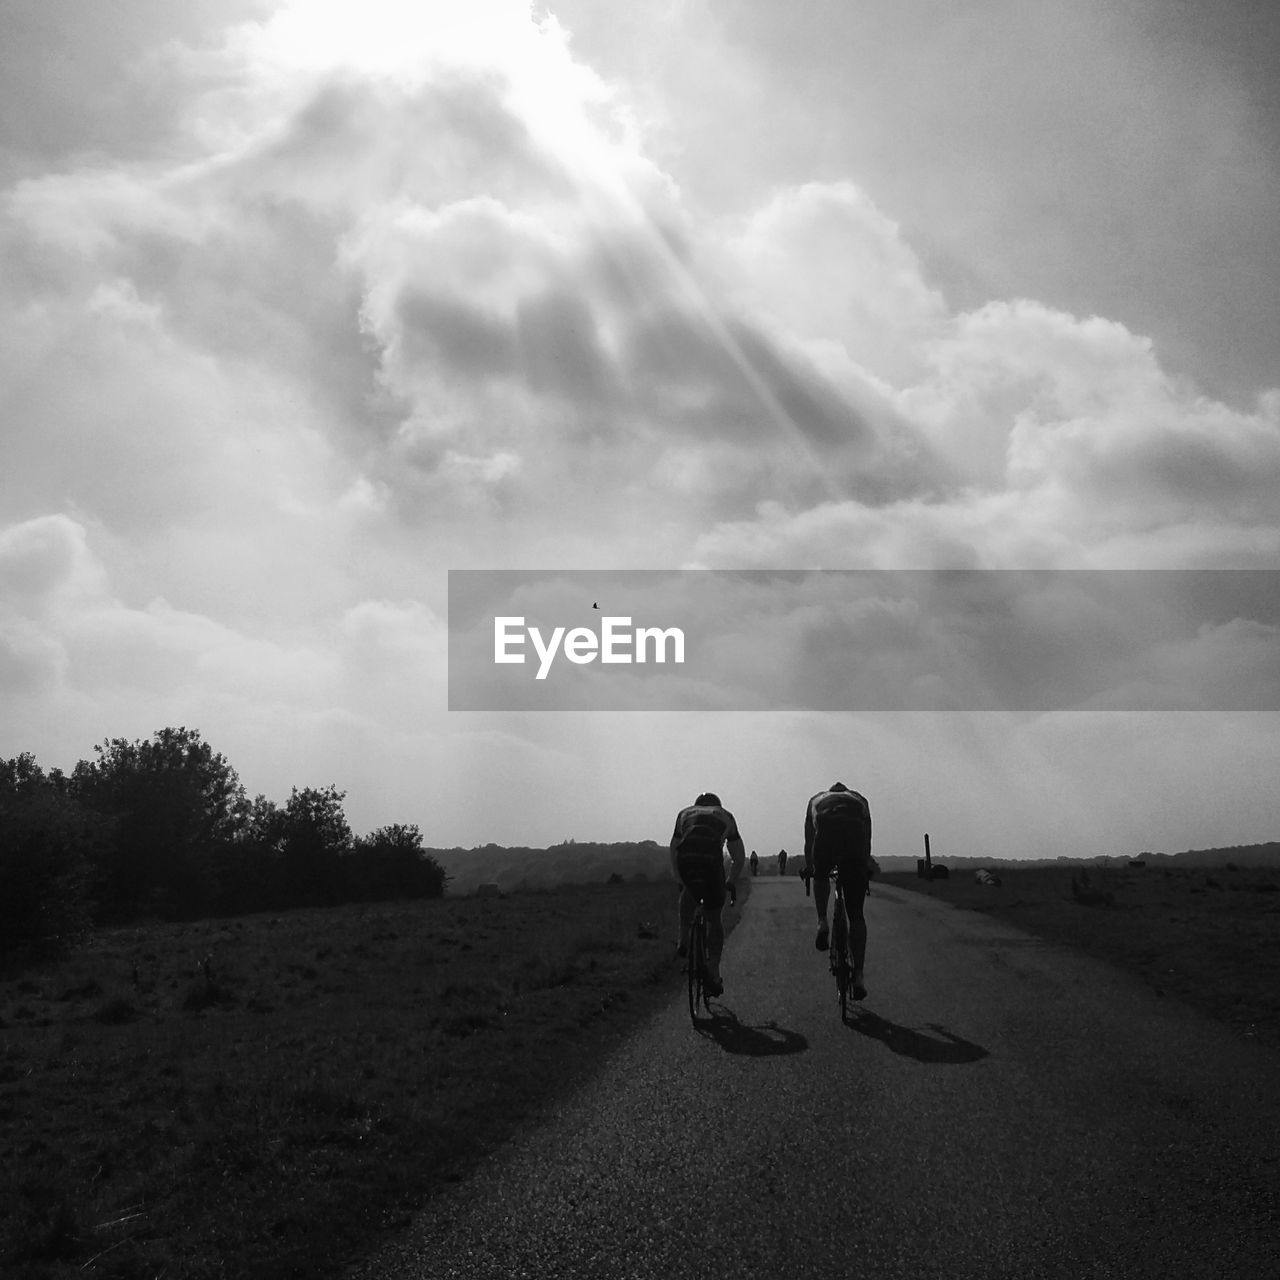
<point x="998" y="1107"/>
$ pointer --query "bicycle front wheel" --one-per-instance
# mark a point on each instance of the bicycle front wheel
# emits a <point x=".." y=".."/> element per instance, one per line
<point x="697" y="965"/>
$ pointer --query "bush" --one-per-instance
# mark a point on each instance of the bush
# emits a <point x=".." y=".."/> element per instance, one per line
<point x="171" y="804"/>
<point x="46" y="843"/>
<point x="390" y="863"/>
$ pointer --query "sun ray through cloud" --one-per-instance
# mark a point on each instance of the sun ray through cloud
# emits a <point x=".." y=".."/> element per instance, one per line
<point x="308" y="303"/>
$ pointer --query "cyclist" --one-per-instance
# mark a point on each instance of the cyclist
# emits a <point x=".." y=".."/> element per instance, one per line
<point x="697" y="861"/>
<point x="837" y="832"/>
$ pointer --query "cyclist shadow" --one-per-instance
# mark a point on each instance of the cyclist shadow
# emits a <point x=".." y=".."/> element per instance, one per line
<point x="735" y="1036"/>
<point x="943" y="1046"/>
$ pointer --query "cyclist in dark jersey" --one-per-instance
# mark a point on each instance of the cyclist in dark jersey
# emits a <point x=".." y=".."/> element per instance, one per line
<point x="837" y="833"/>
<point x="697" y="860"/>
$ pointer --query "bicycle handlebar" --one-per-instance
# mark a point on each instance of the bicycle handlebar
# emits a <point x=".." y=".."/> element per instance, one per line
<point x="832" y="873"/>
<point x="733" y="895"/>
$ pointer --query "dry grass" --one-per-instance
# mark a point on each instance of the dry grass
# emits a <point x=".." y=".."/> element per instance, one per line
<point x="260" y="1096"/>
<point x="1210" y="938"/>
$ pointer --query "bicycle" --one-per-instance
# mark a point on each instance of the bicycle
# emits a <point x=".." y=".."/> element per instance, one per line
<point x="841" y="963"/>
<point x="699" y="955"/>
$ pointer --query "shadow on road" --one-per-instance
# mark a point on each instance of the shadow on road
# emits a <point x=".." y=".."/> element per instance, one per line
<point x="942" y="1046"/>
<point x="763" y="1041"/>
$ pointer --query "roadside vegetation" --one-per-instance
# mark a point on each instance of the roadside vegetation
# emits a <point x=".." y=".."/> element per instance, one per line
<point x="162" y="828"/>
<point x="1209" y="936"/>
<point x="263" y="1095"/>
<point x="237" y="1039"/>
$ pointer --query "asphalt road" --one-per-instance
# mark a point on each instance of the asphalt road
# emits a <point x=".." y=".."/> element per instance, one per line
<point x="997" y="1107"/>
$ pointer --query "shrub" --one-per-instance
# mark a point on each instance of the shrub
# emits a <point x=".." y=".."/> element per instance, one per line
<point x="46" y="843"/>
<point x="390" y="863"/>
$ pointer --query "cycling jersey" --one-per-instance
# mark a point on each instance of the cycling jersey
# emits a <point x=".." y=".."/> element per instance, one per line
<point x="837" y="825"/>
<point x="703" y="830"/>
<point x="697" y="846"/>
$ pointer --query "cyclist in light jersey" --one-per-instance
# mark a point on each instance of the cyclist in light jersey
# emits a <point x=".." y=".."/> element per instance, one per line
<point x="702" y="831"/>
<point x="837" y="832"/>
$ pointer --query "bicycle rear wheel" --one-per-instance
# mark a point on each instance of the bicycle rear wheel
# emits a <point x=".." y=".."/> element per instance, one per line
<point x="840" y="965"/>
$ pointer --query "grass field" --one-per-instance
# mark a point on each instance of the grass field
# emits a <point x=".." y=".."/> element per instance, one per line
<point x="262" y="1096"/>
<point x="1209" y="938"/>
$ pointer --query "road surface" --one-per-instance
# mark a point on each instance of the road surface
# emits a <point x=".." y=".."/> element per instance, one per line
<point x="998" y="1107"/>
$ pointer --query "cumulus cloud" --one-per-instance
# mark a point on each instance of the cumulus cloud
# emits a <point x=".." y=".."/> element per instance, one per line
<point x="829" y="267"/>
<point x="56" y="592"/>
<point x="409" y="292"/>
<point x="78" y="662"/>
<point x="441" y="268"/>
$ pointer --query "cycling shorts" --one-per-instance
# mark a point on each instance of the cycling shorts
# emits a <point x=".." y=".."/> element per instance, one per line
<point x="703" y="875"/>
<point x="847" y="846"/>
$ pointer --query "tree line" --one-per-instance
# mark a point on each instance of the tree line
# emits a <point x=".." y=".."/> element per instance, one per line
<point x="163" y="828"/>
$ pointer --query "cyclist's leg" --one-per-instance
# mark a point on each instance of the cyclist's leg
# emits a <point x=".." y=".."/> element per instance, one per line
<point x="684" y="917"/>
<point x="821" y="866"/>
<point x="855" y="893"/>
<point x="715" y="894"/>
<point x="855" y="875"/>
<point x="692" y="871"/>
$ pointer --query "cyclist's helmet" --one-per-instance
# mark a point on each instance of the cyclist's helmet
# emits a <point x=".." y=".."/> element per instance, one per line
<point x="838" y="786"/>
<point x="708" y="797"/>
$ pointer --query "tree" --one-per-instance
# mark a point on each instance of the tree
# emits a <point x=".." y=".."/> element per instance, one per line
<point x="390" y="863"/>
<point x="175" y="804"/>
<point x="250" y="870"/>
<point x="46" y="847"/>
<point x="315" y="839"/>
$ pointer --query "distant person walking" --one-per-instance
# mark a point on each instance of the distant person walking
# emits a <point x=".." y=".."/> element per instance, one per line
<point x="837" y="833"/>
<point x="755" y="863"/>
<point x="702" y="831"/>
<point x="782" y="862"/>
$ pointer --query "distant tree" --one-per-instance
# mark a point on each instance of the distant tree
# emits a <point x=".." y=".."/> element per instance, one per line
<point x="174" y="804"/>
<point x="391" y="863"/>
<point x="47" y="842"/>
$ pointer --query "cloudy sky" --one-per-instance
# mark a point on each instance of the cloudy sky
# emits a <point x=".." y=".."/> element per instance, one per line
<point x="306" y="304"/>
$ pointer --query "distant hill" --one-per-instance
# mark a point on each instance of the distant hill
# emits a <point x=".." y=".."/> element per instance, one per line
<point x="1242" y="855"/>
<point x="588" y="862"/>
<point x="574" y="862"/>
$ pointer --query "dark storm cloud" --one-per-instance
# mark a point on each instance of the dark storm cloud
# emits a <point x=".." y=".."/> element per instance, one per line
<point x="455" y="337"/>
<point x="549" y="344"/>
<point x="560" y="351"/>
<point x="728" y="378"/>
<point x="1220" y="469"/>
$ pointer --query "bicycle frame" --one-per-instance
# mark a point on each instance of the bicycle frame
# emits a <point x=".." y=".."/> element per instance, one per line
<point x="841" y="965"/>
<point x="838" y="943"/>
<point x="697" y="963"/>
<point x="700" y="953"/>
